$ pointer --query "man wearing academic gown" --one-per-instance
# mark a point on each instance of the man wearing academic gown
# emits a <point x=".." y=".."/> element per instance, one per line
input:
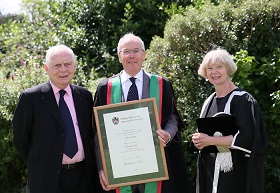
<point x="171" y="122"/>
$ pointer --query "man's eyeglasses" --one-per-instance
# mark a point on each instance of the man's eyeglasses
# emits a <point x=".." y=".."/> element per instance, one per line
<point x="134" y="51"/>
<point x="66" y="65"/>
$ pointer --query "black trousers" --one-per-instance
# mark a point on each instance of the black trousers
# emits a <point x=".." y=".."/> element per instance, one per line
<point x="73" y="180"/>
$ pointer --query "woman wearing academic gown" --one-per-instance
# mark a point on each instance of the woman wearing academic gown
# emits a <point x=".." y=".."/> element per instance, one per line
<point x="232" y="163"/>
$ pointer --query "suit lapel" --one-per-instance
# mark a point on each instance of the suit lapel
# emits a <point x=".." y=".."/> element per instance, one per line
<point x="49" y="100"/>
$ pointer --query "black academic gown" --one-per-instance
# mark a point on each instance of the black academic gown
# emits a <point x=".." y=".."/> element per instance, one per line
<point x="179" y="182"/>
<point x="248" y="169"/>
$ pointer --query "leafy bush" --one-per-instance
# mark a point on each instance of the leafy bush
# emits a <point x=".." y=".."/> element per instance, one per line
<point x="11" y="165"/>
<point x="95" y="27"/>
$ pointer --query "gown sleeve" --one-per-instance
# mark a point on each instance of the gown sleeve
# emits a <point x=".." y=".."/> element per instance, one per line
<point x="248" y="119"/>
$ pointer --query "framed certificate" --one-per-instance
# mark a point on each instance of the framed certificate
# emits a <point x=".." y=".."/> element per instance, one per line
<point x="130" y="149"/>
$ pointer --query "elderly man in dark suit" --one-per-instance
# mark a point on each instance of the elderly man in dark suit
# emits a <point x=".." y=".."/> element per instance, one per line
<point x="53" y="131"/>
<point x="131" y="53"/>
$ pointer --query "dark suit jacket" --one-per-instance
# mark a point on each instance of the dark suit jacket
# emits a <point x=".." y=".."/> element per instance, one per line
<point x="39" y="135"/>
<point x="179" y="182"/>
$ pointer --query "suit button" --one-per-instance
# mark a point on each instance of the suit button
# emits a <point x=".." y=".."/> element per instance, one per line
<point x="58" y="171"/>
<point x="62" y="135"/>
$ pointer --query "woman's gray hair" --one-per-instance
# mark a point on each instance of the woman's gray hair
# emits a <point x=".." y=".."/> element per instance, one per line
<point x="127" y="35"/>
<point x="55" y="49"/>
<point x="218" y="56"/>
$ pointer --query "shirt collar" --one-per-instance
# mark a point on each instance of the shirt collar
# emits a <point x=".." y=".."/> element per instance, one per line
<point x="56" y="89"/>
<point x="124" y="76"/>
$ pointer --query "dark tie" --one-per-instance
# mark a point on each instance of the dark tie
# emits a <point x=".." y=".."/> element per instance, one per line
<point x="133" y="92"/>
<point x="70" y="142"/>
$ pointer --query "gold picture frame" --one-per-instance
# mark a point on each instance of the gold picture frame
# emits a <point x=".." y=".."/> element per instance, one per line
<point x="131" y="152"/>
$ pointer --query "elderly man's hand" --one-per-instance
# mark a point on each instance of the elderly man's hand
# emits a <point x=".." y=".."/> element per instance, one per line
<point x="103" y="181"/>
<point x="163" y="136"/>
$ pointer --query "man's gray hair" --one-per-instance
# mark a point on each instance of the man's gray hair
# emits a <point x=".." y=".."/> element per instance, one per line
<point x="56" y="48"/>
<point x="127" y="35"/>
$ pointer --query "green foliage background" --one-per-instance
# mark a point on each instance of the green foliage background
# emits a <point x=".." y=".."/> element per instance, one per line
<point x="176" y="33"/>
